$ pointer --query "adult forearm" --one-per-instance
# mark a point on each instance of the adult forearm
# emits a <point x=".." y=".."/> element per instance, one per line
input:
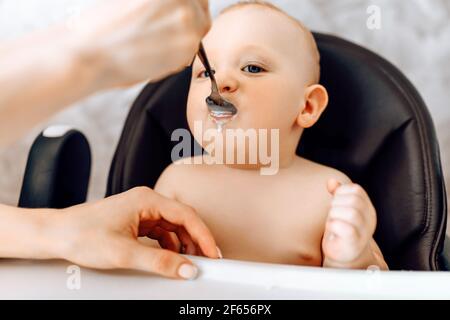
<point x="28" y="234"/>
<point x="40" y="75"/>
<point x="115" y="43"/>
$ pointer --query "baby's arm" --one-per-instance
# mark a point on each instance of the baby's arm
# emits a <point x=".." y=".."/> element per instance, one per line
<point x="348" y="239"/>
<point x="166" y="182"/>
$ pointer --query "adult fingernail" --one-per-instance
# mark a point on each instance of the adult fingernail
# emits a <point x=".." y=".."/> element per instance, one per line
<point x="188" y="271"/>
<point x="219" y="253"/>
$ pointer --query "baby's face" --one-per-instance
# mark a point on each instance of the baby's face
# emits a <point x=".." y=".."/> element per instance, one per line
<point x="262" y="66"/>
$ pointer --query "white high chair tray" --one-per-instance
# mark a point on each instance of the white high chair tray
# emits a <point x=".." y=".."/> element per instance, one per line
<point x="218" y="279"/>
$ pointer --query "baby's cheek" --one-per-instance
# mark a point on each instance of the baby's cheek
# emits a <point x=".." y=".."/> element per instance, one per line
<point x="196" y="108"/>
<point x="274" y="110"/>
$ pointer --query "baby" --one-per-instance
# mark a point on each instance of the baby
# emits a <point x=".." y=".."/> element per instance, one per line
<point x="267" y="64"/>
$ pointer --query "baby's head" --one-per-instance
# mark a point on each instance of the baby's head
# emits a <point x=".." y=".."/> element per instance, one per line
<point x="266" y="64"/>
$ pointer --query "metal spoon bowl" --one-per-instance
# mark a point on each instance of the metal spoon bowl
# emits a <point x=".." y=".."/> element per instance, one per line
<point x="218" y="107"/>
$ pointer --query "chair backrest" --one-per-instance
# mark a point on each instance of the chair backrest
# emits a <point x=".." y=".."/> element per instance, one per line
<point x="376" y="129"/>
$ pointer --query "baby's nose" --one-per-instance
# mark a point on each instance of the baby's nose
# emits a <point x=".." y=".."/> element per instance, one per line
<point x="227" y="84"/>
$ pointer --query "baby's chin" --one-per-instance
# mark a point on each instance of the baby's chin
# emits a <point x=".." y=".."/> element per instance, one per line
<point x="238" y="158"/>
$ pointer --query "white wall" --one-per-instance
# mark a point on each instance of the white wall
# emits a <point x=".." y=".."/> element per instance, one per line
<point x="415" y="36"/>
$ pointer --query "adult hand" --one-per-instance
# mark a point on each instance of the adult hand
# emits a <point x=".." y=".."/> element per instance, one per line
<point x="142" y="39"/>
<point x="104" y="234"/>
<point x="116" y="43"/>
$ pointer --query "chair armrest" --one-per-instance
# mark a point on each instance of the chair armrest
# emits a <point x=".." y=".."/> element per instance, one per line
<point x="58" y="170"/>
<point x="444" y="259"/>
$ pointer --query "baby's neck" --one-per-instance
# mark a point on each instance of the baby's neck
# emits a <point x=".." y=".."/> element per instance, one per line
<point x="285" y="161"/>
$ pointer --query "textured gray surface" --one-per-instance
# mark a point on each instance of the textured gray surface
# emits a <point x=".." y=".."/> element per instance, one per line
<point x="415" y="36"/>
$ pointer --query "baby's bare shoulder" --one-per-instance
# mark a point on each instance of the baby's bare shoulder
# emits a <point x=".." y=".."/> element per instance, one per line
<point x="312" y="179"/>
<point x="320" y="172"/>
<point x="177" y="176"/>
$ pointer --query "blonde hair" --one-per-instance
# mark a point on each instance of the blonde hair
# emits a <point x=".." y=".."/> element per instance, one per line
<point x="315" y="55"/>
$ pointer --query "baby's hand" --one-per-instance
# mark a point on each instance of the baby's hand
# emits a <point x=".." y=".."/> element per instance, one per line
<point x="349" y="227"/>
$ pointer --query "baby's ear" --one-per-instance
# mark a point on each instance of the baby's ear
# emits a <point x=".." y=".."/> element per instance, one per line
<point x="316" y="100"/>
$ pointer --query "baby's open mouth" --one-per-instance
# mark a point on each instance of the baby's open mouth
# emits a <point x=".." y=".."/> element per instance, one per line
<point x="222" y="114"/>
<point x="220" y="107"/>
<point x="221" y="119"/>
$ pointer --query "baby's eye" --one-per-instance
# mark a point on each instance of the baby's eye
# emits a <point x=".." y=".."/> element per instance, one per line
<point x="205" y="74"/>
<point x="253" y="69"/>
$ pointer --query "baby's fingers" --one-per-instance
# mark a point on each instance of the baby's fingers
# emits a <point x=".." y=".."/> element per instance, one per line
<point x="342" y="242"/>
<point x="347" y="214"/>
<point x="354" y="209"/>
<point x="333" y="185"/>
<point x="350" y="200"/>
<point x="343" y="230"/>
<point x="352" y="188"/>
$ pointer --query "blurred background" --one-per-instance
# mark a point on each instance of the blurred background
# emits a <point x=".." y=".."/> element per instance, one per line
<point x="414" y="36"/>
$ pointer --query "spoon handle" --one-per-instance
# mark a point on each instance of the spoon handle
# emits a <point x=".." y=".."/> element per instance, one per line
<point x="204" y="60"/>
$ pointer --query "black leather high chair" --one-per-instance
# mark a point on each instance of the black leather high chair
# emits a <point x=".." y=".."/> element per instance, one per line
<point x="376" y="129"/>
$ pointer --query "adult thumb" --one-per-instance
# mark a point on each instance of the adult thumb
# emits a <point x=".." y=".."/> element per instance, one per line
<point x="333" y="185"/>
<point x="205" y="5"/>
<point x="204" y="19"/>
<point x="161" y="261"/>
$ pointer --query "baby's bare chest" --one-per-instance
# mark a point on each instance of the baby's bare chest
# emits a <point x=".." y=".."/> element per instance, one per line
<point x="259" y="224"/>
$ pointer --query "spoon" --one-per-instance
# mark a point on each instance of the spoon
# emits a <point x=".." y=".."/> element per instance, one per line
<point x="218" y="107"/>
